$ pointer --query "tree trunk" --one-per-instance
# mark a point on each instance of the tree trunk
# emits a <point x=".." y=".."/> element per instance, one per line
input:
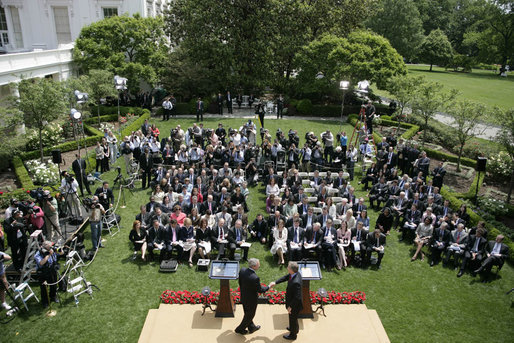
<point x="425" y="131"/>
<point x="511" y="187"/>
<point x="98" y="112"/>
<point x="458" y="159"/>
<point x="41" y="143"/>
<point x="431" y="66"/>
<point x="399" y="123"/>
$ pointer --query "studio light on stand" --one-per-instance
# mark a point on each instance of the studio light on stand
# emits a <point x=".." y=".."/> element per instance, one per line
<point x="344" y="86"/>
<point x="80" y="98"/>
<point x="206" y="292"/>
<point x="121" y="84"/>
<point x="322" y="292"/>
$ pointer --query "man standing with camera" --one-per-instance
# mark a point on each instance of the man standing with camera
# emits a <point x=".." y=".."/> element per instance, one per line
<point x="17" y="238"/>
<point x="79" y="168"/>
<point x="49" y="206"/>
<point x="46" y="266"/>
<point x="69" y="187"/>
<point x="105" y="196"/>
<point x="95" y="219"/>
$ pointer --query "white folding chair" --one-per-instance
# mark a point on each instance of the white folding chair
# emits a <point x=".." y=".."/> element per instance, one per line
<point x="309" y="190"/>
<point x="316" y="210"/>
<point x="306" y="182"/>
<point x="303" y="175"/>
<point x="312" y="199"/>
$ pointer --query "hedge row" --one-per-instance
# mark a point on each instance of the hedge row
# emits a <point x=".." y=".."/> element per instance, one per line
<point x="181" y="108"/>
<point x="455" y="203"/>
<point x="104" y="118"/>
<point x="136" y="125"/>
<point x="105" y="110"/>
<point x="21" y="173"/>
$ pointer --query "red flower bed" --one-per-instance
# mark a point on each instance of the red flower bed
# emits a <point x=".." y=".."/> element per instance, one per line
<point x="274" y="297"/>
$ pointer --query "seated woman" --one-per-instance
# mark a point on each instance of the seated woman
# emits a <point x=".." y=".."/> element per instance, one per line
<point x="198" y="195"/>
<point x="385" y="221"/>
<point x="463" y="214"/>
<point x="279" y="246"/>
<point x="349" y="219"/>
<point x="178" y="215"/>
<point x="195" y="217"/>
<point x="423" y="236"/>
<point x="290" y="208"/>
<point x="187" y="236"/>
<point x="238" y="199"/>
<point x="158" y="194"/>
<point x="329" y="203"/>
<point x="211" y="218"/>
<point x="203" y="239"/>
<point x="363" y="217"/>
<point x="166" y="205"/>
<point x="272" y="188"/>
<point x="270" y="200"/>
<point x="154" y="131"/>
<point x="164" y="185"/>
<point x="138" y="237"/>
<point x="343" y="242"/>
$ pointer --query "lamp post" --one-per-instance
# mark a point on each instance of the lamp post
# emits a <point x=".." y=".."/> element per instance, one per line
<point x="75" y="117"/>
<point x="343" y="85"/>
<point x="121" y="84"/>
<point x="80" y="98"/>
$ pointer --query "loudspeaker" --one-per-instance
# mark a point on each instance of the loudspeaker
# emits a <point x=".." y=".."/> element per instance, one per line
<point x="56" y="156"/>
<point x="481" y="162"/>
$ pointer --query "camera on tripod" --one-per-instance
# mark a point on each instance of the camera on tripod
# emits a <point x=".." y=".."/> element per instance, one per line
<point x="119" y="176"/>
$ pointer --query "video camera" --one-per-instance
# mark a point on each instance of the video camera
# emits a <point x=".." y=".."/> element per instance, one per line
<point x="90" y="203"/>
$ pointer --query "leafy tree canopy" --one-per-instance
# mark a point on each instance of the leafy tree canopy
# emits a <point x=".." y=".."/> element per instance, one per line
<point x="436" y="49"/>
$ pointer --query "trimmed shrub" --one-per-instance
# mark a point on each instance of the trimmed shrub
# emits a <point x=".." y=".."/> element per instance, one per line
<point x="21" y="173"/>
<point x="304" y="107"/>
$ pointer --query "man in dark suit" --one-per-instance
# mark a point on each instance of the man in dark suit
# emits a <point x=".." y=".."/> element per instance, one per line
<point x="146" y="163"/>
<point x="329" y="245"/>
<point x="312" y="241"/>
<point x="324" y="216"/>
<point x="497" y="252"/>
<point x="229" y="102"/>
<point x="145" y="127"/>
<point x="294" y="303"/>
<point x="219" y="237"/>
<point x="105" y="196"/>
<point x="439" y="172"/>
<point x="295" y="239"/>
<point x="359" y="235"/>
<point x="219" y="102"/>
<point x="391" y="158"/>
<point x="250" y="286"/>
<point x="199" y="110"/>
<point x="440" y="240"/>
<point x="236" y="238"/>
<point x="375" y="242"/>
<point x="474" y="251"/>
<point x="221" y="133"/>
<point x="458" y="242"/>
<point x="79" y="168"/>
<point x="259" y="229"/>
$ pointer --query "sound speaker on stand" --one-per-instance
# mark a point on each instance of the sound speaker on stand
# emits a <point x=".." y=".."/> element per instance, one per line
<point x="481" y="162"/>
<point x="56" y="156"/>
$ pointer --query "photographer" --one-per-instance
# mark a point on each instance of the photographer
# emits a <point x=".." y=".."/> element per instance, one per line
<point x="49" y="206"/>
<point x="17" y="238"/>
<point x="69" y="187"/>
<point x="12" y="207"/>
<point x="126" y="148"/>
<point x="105" y="196"/>
<point x="3" y="280"/>
<point x="328" y="142"/>
<point x="34" y="218"/>
<point x="47" y="266"/>
<point x="95" y="219"/>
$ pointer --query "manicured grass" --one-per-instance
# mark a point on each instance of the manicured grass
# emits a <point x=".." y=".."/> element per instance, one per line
<point x="416" y="303"/>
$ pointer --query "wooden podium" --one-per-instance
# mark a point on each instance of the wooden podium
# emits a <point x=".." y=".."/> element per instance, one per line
<point x="310" y="271"/>
<point x="225" y="271"/>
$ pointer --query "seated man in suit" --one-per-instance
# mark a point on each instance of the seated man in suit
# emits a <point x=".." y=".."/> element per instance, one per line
<point x="295" y="240"/>
<point x="375" y="242"/>
<point x="398" y="208"/>
<point x="496" y="252"/>
<point x="151" y="238"/>
<point x="474" y="251"/>
<point x="303" y="207"/>
<point x="357" y="208"/>
<point x="259" y="229"/>
<point x="162" y="218"/>
<point x="144" y="218"/>
<point x="458" y="242"/>
<point x="324" y="216"/>
<point x="329" y="245"/>
<point x="210" y="204"/>
<point x="439" y="244"/>
<point x="358" y="241"/>
<point x="312" y="241"/>
<point x="378" y="193"/>
<point x="309" y="218"/>
<point x="219" y="237"/>
<point x="236" y="238"/>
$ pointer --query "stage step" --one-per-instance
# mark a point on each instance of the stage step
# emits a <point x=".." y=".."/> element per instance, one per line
<point x="377" y="325"/>
<point x="151" y="319"/>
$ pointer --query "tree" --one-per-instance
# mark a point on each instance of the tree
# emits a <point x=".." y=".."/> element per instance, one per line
<point x="42" y="101"/>
<point x="399" y="21"/>
<point x="403" y="88"/>
<point x="133" y="47"/>
<point x="361" y="56"/>
<point x="11" y="139"/>
<point x="506" y="138"/>
<point x="436" y="48"/>
<point x="101" y="85"/>
<point x="428" y="99"/>
<point x="465" y="116"/>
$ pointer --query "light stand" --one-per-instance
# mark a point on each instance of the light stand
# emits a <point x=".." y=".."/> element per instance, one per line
<point x="206" y="291"/>
<point x="82" y="98"/>
<point x="322" y="292"/>
<point x="343" y="85"/>
<point x="121" y="84"/>
<point x="75" y="117"/>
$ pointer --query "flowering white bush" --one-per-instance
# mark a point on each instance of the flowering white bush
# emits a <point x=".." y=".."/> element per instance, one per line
<point x="108" y="126"/>
<point x="52" y="134"/>
<point x="500" y="164"/>
<point x="43" y="174"/>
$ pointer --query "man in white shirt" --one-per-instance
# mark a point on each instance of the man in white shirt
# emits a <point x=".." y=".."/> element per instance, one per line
<point x="69" y="188"/>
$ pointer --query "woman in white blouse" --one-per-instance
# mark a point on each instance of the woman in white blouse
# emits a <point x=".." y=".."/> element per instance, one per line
<point x="331" y="207"/>
<point x="280" y="241"/>
<point x="350" y="220"/>
<point x="272" y="188"/>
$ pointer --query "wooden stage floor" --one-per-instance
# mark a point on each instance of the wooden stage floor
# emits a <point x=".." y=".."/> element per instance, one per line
<point x="184" y="323"/>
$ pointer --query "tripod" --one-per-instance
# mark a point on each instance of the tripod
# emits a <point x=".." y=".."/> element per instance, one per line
<point x="67" y="187"/>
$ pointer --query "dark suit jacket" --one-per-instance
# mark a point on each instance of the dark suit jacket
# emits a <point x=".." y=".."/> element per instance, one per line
<point x="271" y="220"/>
<point x="481" y="244"/>
<point x="371" y="241"/>
<point x="290" y="234"/>
<point x="79" y="167"/>
<point x="205" y="207"/>
<point x="110" y="196"/>
<point x="146" y="164"/>
<point x="260" y="227"/>
<point x="309" y="236"/>
<point x="504" y="250"/>
<point x="363" y="235"/>
<point x="232" y="235"/>
<point x="293" y="291"/>
<point x="250" y="286"/>
<point x="355" y="209"/>
<point x="320" y="219"/>
<point x="244" y="219"/>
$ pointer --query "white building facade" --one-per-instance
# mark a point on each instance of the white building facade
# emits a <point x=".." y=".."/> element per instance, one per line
<point x="36" y="36"/>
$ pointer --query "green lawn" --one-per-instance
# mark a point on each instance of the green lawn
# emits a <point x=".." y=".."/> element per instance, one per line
<point x="480" y="85"/>
<point x="416" y="303"/>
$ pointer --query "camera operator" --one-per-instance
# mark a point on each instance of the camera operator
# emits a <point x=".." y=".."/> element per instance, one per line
<point x="3" y="280"/>
<point x="49" y="207"/>
<point x="95" y="219"/>
<point x="328" y="142"/>
<point x="126" y="148"/>
<point x="12" y="207"/>
<point x="105" y="196"/>
<point x="17" y="238"/>
<point x="35" y="218"/>
<point x="79" y="168"/>
<point x="69" y="188"/>
<point x="47" y="266"/>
